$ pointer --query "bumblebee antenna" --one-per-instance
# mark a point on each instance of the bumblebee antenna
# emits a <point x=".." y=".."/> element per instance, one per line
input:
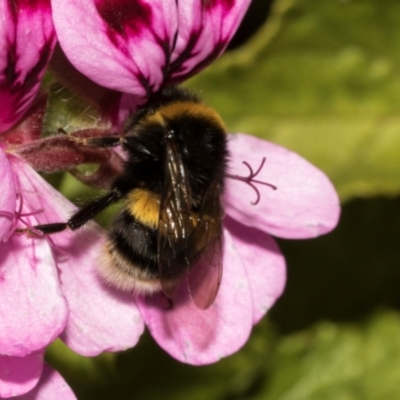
<point x="251" y="181"/>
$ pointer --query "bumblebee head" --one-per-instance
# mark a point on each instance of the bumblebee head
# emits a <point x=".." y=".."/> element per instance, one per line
<point x="198" y="135"/>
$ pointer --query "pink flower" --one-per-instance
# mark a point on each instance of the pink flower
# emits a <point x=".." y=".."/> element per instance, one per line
<point x="139" y="46"/>
<point x="136" y="46"/>
<point x="24" y="54"/>
<point x="304" y="205"/>
<point x="48" y="287"/>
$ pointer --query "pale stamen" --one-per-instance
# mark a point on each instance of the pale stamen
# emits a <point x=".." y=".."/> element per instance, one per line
<point x="29" y="230"/>
<point x="18" y="217"/>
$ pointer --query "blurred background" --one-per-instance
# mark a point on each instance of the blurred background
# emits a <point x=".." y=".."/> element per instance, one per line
<point x="321" y="78"/>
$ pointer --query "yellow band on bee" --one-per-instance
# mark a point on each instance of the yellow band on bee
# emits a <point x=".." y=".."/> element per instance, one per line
<point x="144" y="206"/>
<point x="179" y="108"/>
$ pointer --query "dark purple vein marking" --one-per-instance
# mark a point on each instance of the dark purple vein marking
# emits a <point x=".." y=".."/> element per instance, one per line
<point x="226" y="4"/>
<point x="125" y="15"/>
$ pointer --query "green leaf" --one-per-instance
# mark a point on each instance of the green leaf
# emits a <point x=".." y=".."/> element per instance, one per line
<point x="332" y="361"/>
<point x="322" y="79"/>
<point x="65" y="110"/>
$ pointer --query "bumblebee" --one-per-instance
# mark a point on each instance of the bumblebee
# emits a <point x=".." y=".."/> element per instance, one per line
<point x="169" y="229"/>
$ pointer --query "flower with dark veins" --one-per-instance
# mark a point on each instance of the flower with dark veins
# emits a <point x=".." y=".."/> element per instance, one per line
<point x="37" y="303"/>
<point x="138" y="47"/>
<point x="24" y="54"/>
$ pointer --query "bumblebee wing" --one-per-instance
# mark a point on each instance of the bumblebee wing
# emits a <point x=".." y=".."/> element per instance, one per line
<point x="175" y="223"/>
<point x="205" y="276"/>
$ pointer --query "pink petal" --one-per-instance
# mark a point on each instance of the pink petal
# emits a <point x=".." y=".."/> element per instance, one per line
<point x="33" y="311"/>
<point x="32" y="308"/>
<point x="8" y="197"/>
<point x="101" y="319"/>
<point x="121" y="44"/>
<point x="197" y="336"/>
<point x="19" y="375"/>
<point x="94" y="309"/>
<point x="27" y="40"/>
<point x="264" y="263"/>
<point x="205" y="29"/>
<point x="136" y="46"/>
<point x="305" y="203"/>
<point x="51" y="386"/>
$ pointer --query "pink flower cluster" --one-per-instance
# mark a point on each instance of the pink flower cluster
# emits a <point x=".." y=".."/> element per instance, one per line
<point x="49" y="286"/>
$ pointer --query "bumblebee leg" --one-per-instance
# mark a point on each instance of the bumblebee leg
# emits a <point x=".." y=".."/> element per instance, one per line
<point x="82" y="216"/>
<point x="102" y="141"/>
<point x="92" y="141"/>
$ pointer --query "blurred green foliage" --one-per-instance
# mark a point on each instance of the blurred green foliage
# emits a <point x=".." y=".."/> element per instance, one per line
<point x="321" y="78"/>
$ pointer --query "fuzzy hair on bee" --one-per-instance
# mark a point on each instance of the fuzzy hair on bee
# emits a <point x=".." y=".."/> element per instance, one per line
<point x="169" y="229"/>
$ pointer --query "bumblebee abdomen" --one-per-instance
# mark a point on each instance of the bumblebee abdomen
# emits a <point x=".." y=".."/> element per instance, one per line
<point x="131" y="255"/>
